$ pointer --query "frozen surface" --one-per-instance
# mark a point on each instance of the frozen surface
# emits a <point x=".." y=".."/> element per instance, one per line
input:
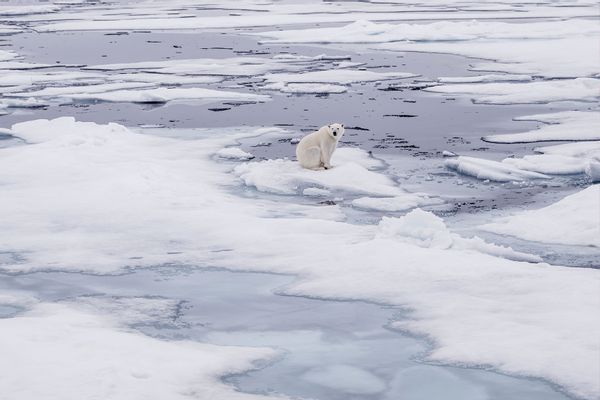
<point x="164" y="201"/>
<point x="572" y="220"/>
<point x="579" y="89"/>
<point x="174" y="181"/>
<point x="81" y="354"/>
<point x="566" y="125"/>
<point x="491" y="170"/>
<point x="352" y="173"/>
<point x="518" y="48"/>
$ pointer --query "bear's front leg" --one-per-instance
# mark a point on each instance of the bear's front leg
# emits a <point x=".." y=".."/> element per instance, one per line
<point x="325" y="158"/>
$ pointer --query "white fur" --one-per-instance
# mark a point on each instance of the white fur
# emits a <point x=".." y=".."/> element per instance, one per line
<point x="315" y="150"/>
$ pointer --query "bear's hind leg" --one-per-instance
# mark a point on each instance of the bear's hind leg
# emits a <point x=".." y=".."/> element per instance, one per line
<point x="311" y="158"/>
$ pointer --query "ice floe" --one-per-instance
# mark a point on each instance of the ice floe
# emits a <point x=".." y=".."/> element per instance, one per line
<point x="485" y="78"/>
<point x="82" y="354"/>
<point x="352" y="174"/>
<point x="491" y="170"/>
<point x="100" y="198"/>
<point x="137" y="92"/>
<point x="573" y="220"/>
<point x="399" y="203"/>
<point x="565" y="125"/>
<point x="569" y="158"/>
<point x="424" y="229"/>
<point x="579" y="89"/>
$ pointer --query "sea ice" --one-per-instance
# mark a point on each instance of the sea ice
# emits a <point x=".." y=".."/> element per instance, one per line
<point x="138" y="200"/>
<point x="564" y="125"/>
<point x="493" y="170"/>
<point x="80" y="354"/>
<point x="574" y="220"/>
<point x="579" y="89"/>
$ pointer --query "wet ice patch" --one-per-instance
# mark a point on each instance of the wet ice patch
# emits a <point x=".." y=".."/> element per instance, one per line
<point x="130" y="310"/>
<point x="571" y="221"/>
<point x="564" y="125"/>
<point x="345" y="378"/>
<point x="491" y="170"/>
<point x="84" y="355"/>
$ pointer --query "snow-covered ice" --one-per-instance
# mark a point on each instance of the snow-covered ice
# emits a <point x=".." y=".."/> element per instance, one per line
<point x="491" y="170"/>
<point x="103" y="198"/>
<point x="573" y="220"/>
<point x="142" y="200"/>
<point x="579" y="89"/>
<point x="234" y="153"/>
<point x="81" y="354"/>
<point x="565" y="125"/>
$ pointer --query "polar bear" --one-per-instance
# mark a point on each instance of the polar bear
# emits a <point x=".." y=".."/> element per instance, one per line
<point x="314" y="150"/>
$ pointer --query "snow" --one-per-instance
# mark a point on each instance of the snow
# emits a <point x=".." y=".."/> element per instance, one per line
<point x="234" y="153"/>
<point x="564" y="125"/>
<point x="485" y="78"/>
<point x="568" y="158"/>
<point x="573" y="220"/>
<point x="29" y="78"/>
<point x="164" y="95"/>
<point x="579" y="89"/>
<point x="82" y="354"/>
<point x="235" y="66"/>
<point x="350" y="173"/>
<point x="393" y="204"/>
<point x="424" y="229"/>
<point x="139" y="200"/>
<point x="549" y="164"/>
<point x="492" y="170"/>
<point x="136" y="93"/>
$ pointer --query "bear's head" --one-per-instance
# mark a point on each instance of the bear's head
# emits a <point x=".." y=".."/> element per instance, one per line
<point x="336" y="130"/>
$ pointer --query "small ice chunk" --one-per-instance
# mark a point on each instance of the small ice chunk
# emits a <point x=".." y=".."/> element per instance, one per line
<point x="234" y="153"/>
<point x="447" y="153"/>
